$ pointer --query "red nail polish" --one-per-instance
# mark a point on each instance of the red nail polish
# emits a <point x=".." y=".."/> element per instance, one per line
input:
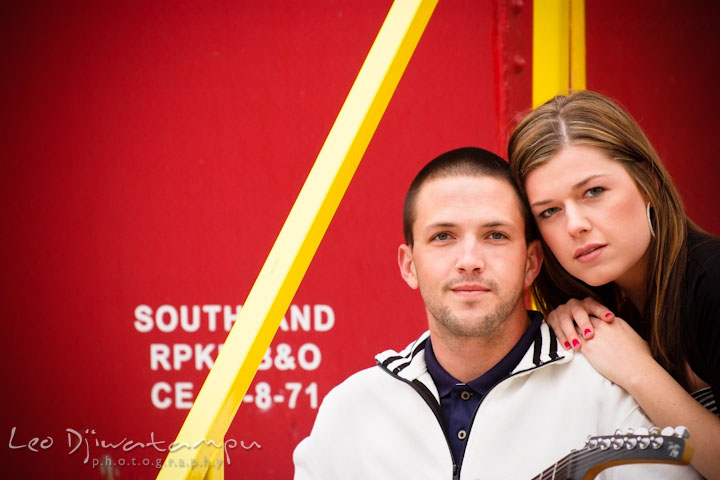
<point x="575" y="342"/>
<point x="567" y="345"/>
<point x="608" y="315"/>
<point x="587" y="332"/>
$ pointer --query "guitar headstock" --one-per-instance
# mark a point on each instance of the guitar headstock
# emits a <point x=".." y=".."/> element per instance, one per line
<point x="668" y="445"/>
<point x="632" y="446"/>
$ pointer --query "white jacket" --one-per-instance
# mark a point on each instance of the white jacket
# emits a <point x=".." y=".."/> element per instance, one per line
<point x="384" y="422"/>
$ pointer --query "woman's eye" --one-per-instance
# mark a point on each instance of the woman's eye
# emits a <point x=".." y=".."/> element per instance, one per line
<point x="549" y="212"/>
<point x="594" y="192"/>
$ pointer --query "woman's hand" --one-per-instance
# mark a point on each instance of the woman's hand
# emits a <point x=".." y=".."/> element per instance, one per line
<point x="564" y="318"/>
<point x="618" y="352"/>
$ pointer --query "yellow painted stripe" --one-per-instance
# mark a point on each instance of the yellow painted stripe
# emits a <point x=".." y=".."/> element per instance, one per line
<point x="551" y="49"/>
<point x="270" y="297"/>
<point x="577" y="44"/>
<point x="216" y="471"/>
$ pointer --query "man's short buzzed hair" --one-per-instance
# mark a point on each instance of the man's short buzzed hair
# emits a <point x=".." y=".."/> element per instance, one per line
<point x="463" y="162"/>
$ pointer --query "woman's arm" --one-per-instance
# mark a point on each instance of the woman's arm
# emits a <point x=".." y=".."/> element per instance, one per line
<point x="624" y="358"/>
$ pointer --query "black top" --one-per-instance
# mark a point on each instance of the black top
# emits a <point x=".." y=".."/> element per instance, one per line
<point x="701" y="308"/>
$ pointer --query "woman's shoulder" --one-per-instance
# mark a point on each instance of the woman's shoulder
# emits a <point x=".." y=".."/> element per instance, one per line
<point x="701" y="306"/>
<point x="701" y="285"/>
<point x="703" y="255"/>
<point x="702" y="271"/>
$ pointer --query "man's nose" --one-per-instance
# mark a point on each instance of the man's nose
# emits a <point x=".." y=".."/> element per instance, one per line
<point x="470" y="256"/>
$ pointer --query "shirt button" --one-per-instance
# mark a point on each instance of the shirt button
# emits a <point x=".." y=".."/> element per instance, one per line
<point x="462" y="434"/>
<point x="465" y="395"/>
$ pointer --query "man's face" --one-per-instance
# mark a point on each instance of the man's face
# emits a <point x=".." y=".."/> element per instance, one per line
<point x="470" y="260"/>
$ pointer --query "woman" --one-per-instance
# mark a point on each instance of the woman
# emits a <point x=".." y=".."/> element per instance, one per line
<point x="615" y="234"/>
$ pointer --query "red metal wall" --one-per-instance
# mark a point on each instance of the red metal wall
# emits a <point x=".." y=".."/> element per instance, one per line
<point x="153" y="149"/>
<point x="659" y="59"/>
<point x="151" y="153"/>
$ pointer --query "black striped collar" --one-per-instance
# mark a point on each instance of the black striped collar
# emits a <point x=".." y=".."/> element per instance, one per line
<point x="409" y="363"/>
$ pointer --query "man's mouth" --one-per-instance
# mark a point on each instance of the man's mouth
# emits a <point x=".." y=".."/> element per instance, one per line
<point x="470" y="289"/>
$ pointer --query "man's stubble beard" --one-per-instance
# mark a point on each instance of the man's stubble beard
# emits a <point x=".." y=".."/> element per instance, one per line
<point x="485" y="325"/>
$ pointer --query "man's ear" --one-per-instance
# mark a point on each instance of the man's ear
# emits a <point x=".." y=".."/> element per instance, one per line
<point x="407" y="267"/>
<point x="534" y="262"/>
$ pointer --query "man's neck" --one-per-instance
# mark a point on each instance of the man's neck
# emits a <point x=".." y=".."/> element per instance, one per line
<point x="467" y="358"/>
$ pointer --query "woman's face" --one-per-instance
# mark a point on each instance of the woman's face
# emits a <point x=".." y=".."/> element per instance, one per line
<point x="592" y="216"/>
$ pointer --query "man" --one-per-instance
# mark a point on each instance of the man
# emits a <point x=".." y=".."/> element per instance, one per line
<point x="485" y="393"/>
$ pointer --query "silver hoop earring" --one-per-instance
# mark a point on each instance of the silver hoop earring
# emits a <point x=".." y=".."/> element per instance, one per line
<point x="652" y="230"/>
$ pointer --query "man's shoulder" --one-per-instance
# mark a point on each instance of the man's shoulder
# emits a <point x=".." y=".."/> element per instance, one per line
<point x="575" y="380"/>
<point x="358" y="381"/>
<point x="562" y="364"/>
<point x="390" y="357"/>
<point x="574" y="363"/>
<point x="392" y="369"/>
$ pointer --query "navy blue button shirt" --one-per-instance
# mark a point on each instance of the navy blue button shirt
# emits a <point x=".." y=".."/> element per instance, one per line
<point x="458" y="400"/>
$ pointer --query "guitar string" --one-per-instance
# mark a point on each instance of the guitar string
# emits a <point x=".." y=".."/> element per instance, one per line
<point x="584" y="461"/>
<point x="580" y="458"/>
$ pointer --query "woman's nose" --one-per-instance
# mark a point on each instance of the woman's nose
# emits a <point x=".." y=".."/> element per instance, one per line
<point x="577" y="221"/>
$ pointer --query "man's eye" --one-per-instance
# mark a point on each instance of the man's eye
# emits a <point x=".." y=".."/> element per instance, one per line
<point x="549" y="212"/>
<point x="442" y="236"/>
<point x="498" y="236"/>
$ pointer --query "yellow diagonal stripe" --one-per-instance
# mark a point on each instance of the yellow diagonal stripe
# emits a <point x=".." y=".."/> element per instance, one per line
<point x="235" y="367"/>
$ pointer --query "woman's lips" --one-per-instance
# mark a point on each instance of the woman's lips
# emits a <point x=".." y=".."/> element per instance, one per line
<point x="588" y="253"/>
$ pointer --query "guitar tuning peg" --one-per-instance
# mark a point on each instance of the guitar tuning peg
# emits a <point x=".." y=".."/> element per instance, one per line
<point x="667" y="432"/>
<point x="641" y="431"/>
<point x="629" y="431"/>
<point x="657" y="442"/>
<point x="654" y="431"/>
<point x="591" y="442"/>
<point x="682" y="432"/>
<point x="618" y="432"/>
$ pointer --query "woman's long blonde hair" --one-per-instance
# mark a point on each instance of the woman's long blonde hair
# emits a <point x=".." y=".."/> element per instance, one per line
<point x="591" y="119"/>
